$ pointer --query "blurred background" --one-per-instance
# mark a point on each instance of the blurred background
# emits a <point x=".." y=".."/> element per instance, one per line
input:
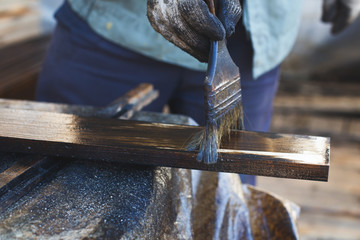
<point x="319" y="94"/>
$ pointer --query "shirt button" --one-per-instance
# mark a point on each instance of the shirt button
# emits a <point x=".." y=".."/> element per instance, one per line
<point x="109" y="25"/>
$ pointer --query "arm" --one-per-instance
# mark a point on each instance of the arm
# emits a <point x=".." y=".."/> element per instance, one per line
<point x="340" y="13"/>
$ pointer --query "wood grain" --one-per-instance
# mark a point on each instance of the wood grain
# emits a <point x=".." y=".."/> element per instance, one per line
<point x="31" y="169"/>
<point x="24" y="175"/>
<point x="267" y="154"/>
<point x="9" y="176"/>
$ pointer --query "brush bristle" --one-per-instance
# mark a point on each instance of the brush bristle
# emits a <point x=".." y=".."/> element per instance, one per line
<point x="209" y="139"/>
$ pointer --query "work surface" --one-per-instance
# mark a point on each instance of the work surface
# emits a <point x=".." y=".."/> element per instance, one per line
<point x="67" y="135"/>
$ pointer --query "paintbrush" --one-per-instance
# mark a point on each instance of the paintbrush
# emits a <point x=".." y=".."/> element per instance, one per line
<point x="222" y="101"/>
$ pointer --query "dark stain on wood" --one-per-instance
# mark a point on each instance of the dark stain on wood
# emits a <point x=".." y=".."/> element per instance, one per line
<point x="289" y="156"/>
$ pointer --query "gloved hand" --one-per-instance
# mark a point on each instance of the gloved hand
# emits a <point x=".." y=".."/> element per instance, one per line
<point x="190" y="25"/>
<point x="340" y="13"/>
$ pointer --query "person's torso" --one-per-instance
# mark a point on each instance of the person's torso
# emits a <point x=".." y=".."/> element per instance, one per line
<point x="272" y="26"/>
<point x="125" y="23"/>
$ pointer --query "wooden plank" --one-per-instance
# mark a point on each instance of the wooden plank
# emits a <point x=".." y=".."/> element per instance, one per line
<point x="319" y="104"/>
<point x="23" y="176"/>
<point x="123" y="107"/>
<point x="19" y="20"/>
<point x="337" y="127"/>
<point x="308" y="110"/>
<point x="298" y="86"/>
<point x="267" y="154"/>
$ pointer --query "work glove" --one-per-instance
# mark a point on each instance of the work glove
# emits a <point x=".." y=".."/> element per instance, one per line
<point x="190" y="25"/>
<point x="340" y="13"/>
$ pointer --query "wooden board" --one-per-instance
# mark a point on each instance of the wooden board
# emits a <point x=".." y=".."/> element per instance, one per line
<point x="278" y="155"/>
<point x="318" y="108"/>
<point x="325" y="105"/>
<point x="29" y="170"/>
<point x="23" y="45"/>
<point x="20" y="20"/>
<point x="123" y="107"/>
<point x="24" y="175"/>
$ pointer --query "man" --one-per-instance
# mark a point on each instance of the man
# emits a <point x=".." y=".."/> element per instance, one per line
<point x="102" y="49"/>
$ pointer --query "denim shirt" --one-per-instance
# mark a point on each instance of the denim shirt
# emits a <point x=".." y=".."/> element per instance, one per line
<point x="272" y="26"/>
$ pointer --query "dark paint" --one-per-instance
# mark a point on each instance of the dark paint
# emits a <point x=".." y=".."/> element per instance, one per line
<point x="157" y="144"/>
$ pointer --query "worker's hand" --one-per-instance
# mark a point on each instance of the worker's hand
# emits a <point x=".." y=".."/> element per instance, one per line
<point x="190" y="25"/>
<point x="340" y="13"/>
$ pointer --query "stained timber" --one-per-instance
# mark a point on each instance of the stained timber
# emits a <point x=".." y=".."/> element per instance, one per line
<point x="266" y="154"/>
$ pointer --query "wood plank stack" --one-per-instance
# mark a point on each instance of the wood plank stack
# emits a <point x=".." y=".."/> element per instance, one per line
<point x="19" y="20"/>
<point x="318" y="108"/>
<point x="20" y="65"/>
<point x="254" y="153"/>
<point x="328" y="108"/>
<point x="23" y="47"/>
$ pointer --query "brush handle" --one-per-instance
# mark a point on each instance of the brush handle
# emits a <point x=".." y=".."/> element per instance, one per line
<point x="211" y="6"/>
<point x="211" y="64"/>
<point x="213" y="45"/>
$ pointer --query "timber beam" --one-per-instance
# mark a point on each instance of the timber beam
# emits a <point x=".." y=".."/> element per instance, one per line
<point x="125" y="141"/>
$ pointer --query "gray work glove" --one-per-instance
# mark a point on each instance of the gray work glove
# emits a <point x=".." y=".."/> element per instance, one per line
<point x="190" y="25"/>
<point x="340" y="13"/>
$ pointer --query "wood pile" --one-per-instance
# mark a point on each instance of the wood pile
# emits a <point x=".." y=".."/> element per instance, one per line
<point x="318" y="108"/>
<point x="19" y="20"/>
<point x="20" y="65"/>
<point x="326" y="108"/>
<point x="23" y="47"/>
